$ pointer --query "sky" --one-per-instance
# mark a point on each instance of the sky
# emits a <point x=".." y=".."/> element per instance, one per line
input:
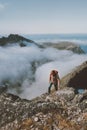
<point x="43" y="16"/>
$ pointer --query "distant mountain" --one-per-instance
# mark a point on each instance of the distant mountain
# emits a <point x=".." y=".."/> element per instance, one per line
<point x="65" y="45"/>
<point x="22" y="41"/>
<point x="15" y="38"/>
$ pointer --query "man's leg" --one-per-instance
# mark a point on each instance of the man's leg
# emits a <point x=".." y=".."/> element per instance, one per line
<point x="56" y="86"/>
<point x="50" y="87"/>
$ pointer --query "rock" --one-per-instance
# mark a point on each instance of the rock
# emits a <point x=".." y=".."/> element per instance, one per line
<point x="67" y="94"/>
<point x="78" y="98"/>
<point x="44" y="112"/>
<point x="3" y="89"/>
<point x="77" y="78"/>
<point x="36" y="119"/>
<point x="83" y="105"/>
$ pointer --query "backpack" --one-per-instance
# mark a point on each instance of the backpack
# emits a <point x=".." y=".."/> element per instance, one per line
<point x="53" y="73"/>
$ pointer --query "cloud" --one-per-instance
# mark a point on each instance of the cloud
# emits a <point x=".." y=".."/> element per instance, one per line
<point x="15" y="61"/>
<point x="2" y="6"/>
<point x="16" y="66"/>
<point x="63" y="61"/>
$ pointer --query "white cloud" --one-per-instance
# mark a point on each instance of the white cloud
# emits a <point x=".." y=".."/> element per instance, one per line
<point x="15" y="65"/>
<point x="2" y="6"/>
<point x="64" y="62"/>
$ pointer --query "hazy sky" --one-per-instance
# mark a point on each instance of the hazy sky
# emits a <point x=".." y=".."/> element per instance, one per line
<point x="43" y="16"/>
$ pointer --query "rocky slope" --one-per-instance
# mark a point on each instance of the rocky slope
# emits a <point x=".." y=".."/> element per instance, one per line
<point x="77" y="78"/>
<point x="15" y="38"/>
<point x="61" y="110"/>
<point x="65" y="46"/>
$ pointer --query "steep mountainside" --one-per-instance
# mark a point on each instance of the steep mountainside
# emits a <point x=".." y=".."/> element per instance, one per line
<point x="61" y="110"/>
<point x="77" y="78"/>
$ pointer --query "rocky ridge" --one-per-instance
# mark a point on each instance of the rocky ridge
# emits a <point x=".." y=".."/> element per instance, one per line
<point x="61" y="110"/>
<point x="65" y="45"/>
<point x="77" y="78"/>
<point x="15" y="38"/>
<point x="57" y="111"/>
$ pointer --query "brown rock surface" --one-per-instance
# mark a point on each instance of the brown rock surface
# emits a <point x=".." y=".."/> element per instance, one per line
<point x="77" y="78"/>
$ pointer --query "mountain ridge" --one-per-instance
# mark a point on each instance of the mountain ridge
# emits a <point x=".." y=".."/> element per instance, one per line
<point x="65" y="45"/>
<point x="15" y="38"/>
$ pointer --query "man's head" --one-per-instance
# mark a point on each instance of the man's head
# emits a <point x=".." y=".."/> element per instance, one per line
<point x="54" y="72"/>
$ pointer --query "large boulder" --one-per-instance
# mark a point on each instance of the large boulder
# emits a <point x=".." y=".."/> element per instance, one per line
<point x="67" y="94"/>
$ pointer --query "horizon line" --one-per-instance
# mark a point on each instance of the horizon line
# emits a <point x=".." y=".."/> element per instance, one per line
<point x="44" y="34"/>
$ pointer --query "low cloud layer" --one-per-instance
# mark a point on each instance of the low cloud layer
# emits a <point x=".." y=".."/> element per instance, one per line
<point x="15" y="65"/>
<point x="64" y="65"/>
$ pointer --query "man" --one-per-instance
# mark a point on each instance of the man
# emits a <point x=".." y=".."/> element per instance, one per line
<point x="54" y="80"/>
